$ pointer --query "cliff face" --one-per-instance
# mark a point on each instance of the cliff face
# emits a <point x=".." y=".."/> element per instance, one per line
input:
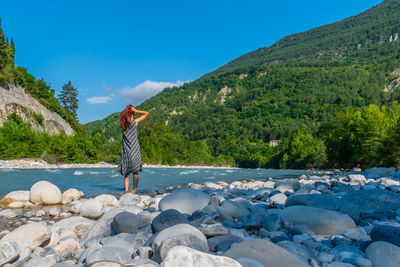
<point x="14" y="99"/>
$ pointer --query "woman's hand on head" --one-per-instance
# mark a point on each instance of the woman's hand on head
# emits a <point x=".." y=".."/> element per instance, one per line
<point x="133" y="109"/>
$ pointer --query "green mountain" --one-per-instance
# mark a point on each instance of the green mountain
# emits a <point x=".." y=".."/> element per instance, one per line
<point x="300" y="82"/>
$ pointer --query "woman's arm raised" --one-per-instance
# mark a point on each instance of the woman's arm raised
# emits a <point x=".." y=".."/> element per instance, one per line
<point x="141" y="118"/>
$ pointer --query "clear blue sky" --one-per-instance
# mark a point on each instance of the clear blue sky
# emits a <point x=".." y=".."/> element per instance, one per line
<point x="108" y="49"/>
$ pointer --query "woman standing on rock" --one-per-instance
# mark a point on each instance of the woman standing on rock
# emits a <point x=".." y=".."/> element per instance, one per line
<point x="131" y="159"/>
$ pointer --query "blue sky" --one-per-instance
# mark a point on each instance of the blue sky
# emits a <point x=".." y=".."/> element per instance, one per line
<point x="119" y="52"/>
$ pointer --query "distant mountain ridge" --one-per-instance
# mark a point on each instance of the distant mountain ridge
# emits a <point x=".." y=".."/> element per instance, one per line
<point x="301" y="81"/>
<point x="345" y="42"/>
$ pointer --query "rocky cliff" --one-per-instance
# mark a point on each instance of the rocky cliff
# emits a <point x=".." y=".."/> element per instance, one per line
<point x="13" y="98"/>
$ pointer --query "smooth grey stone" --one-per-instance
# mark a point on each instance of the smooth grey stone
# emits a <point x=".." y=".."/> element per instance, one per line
<point x="265" y="252"/>
<point x="355" y="234"/>
<point x="259" y="193"/>
<point x="351" y="250"/>
<point x="387" y="233"/>
<point x="131" y="242"/>
<point x="9" y="251"/>
<point x="358" y="261"/>
<point x="278" y="199"/>
<point x="40" y="261"/>
<point x="379" y="213"/>
<point x="167" y="219"/>
<point x="303" y="253"/>
<point x="185" y="200"/>
<point x="375" y="198"/>
<point x="120" y="254"/>
<point x="188" y="257"/>
<point x="340" y="240"/>
<point x="213" y="229"/>
<point x="324" y="201"/>
<point x="129" y="199"/>
<point x="177" y="235"/>
<point x="223" y="243"/>
<point x="145" y="252"/>
<point x="234" y="209"/>
<point x="246" y="262"/>
<point x="383" y="254"/>
<point x="126" y="222"/>
<point x="320" y="221"/>
<point x="321" y="186"/>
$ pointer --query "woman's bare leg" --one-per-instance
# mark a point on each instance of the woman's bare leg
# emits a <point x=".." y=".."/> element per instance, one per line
<point x="135" y="181"/>
<point x="126" y="182"/>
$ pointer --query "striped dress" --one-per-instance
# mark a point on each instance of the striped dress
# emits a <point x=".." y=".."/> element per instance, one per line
<point x="131" y="159"/>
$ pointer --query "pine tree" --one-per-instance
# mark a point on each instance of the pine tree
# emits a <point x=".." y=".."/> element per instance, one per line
<point x="68" y="97"/>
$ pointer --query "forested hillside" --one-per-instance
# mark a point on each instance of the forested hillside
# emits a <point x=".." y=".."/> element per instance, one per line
<point x="289" y="91"/>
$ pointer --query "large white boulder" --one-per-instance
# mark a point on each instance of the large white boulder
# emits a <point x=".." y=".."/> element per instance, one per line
<point x="264" y="252"/>
<point x="44" y="192"/>
<point x="181" y="256"/>
<point x="107" y="200"/>
<point x="19" y="195"/>
<point x="70" y="195"/>
<point x="91" y="208"/>
<point x="30" y="235"/>
<point x="185" y="200"/>
<point x="320" y="221"/>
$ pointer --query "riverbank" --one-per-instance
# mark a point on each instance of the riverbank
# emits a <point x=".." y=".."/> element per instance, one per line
<point x="41" y="164"/>
<point x="343" y="219"/>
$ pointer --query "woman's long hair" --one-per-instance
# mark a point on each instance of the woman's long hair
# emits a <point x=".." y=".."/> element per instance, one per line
<point x="125" y="117"/>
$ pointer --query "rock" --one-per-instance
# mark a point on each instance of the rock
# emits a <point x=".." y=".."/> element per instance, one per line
<point x="185" y="200"/>
<point x="167" y="219"/>
<point x="223" y="243"/>
<point x="71" y="244"/>
<point x="9" y="251"/>
<point x="379" y="213"/>
<point x="19" y="204"/>
<point x="325" y="257"/>
<point x="177" y="235"/>
<point x="301" y="252"/>
<point x="234" y="209"/>
<point x="246" y="262"/>
<point x="129" y="199"/>
<point x="126" y="222"/>
<point x="71" y="195"/>
<point x="287" y="185"/>
<point x="323" y="222"/>
<point x="264" y="252"/>
<point x="19" y="195"/>
<point x="78" y="224"/>
<point x="91" y="208"/>
<point x="30" y="235"/>
<point x="387" y="233"/>
<point x="8" y="214"/>
<point x="107" y="200"/>
<point x="102" y="226"/>
<point x="346" y="251"/>
<point x="119" y="254"/>
<point x="259" y="193"/>
<point x="357" y="178"/>
<point x="40" y="213"/>
<point x="213" y="229"/>
<point x="356" y="234"/>
<point x="377" y="172"/>
<point x="44" y="192"/>
<point x="374" y="198"/>
<point x="54" y="212"/>
<point x="181" y="256"/>
<point x="358" y="261"/>
<point x="145" y="252"/>
<point x="131" y="242"/>
<point x="339" y="264"/>
<point x="40" y="261"/>
<point x="272" y="222"/>
<point x="324" y="201"/>
<point x="383" y="254"/>
<point x="278" y="199"/>
<point x="212" y="186"/>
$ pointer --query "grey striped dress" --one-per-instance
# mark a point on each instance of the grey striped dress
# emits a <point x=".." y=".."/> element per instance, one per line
<point x="131" y="159"/>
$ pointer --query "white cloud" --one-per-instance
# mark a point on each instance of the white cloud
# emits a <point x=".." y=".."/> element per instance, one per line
<point x="139" y="93"/>
<point x="99" y="99"/>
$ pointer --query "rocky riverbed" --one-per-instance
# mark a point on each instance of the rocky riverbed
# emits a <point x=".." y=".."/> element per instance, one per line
<point x="344" y="219"/>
